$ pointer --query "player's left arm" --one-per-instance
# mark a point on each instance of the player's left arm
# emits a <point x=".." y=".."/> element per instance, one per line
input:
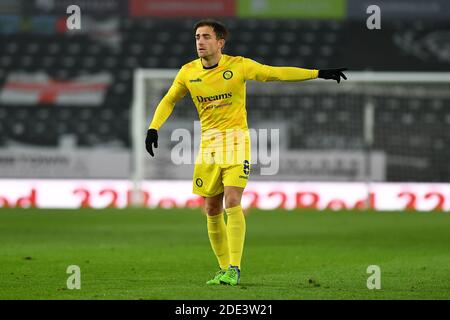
<point x="261" y="72"/>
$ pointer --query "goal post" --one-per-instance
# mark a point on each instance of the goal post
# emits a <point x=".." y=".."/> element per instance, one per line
<point x="378" y="117"/>
<point x="139" y="121"/>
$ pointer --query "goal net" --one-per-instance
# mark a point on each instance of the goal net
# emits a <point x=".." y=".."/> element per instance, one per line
<point x="376" y="126"/>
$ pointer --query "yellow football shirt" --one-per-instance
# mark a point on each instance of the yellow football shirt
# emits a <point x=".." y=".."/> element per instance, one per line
<point x="219" y="93"/>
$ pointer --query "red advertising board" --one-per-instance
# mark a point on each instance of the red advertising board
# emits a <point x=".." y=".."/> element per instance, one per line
<point x="182" y="8"/>
<point x="93" y="193"/>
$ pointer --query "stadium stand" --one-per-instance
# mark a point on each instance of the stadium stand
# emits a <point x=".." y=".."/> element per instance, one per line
<point x="149" y="43"/>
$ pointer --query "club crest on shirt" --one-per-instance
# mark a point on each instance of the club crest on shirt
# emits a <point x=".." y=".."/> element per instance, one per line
<point x="199" y="182"/>
<point x="227" y="75"/>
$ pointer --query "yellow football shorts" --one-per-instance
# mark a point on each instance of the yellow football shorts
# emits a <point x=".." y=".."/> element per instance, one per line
<point x="215" y="170"/>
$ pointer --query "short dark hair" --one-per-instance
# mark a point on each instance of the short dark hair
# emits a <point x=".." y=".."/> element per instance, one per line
<point x="219" y="29"/>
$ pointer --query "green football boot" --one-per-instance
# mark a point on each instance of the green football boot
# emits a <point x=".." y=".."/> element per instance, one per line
<point x="232" y="276"/>
<point x="216" y="279"/>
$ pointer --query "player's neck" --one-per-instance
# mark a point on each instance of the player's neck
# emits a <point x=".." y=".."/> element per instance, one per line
<point x="211" y="61"/>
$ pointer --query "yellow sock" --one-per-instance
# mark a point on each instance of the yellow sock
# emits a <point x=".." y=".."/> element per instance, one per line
<point x="236" y="234"/>
<point x="217" y="234"/>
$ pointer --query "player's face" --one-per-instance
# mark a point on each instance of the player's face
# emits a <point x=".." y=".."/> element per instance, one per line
<point x="207" y="43"/>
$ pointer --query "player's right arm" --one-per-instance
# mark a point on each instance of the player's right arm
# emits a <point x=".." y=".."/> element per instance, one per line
<point x="165" y="107"/>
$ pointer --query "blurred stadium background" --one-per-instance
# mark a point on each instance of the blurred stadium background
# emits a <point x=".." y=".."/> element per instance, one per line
<point x="66" y="100"/>
<point x="75" y="104"/>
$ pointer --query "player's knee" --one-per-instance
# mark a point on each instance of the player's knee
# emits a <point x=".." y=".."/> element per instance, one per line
<point x="212" y="209"/>
<point x="233" y="196"/>
<point x="232" y="201"/>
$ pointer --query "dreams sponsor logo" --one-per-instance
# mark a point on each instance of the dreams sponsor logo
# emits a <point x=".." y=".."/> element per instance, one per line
<point x="214" y="98"/>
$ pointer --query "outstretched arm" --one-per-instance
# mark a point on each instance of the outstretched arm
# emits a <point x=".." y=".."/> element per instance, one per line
<point x="334" y="74"/>
<point x="260" y="72"/>
<point x="177" y="91"/>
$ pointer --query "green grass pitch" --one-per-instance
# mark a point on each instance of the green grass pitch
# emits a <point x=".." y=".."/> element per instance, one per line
<point x="165" y="254"/>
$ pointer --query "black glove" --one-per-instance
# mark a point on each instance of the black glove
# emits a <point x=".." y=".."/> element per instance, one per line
<point x="152" y="139"/>
<point x="334" y="74"/>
